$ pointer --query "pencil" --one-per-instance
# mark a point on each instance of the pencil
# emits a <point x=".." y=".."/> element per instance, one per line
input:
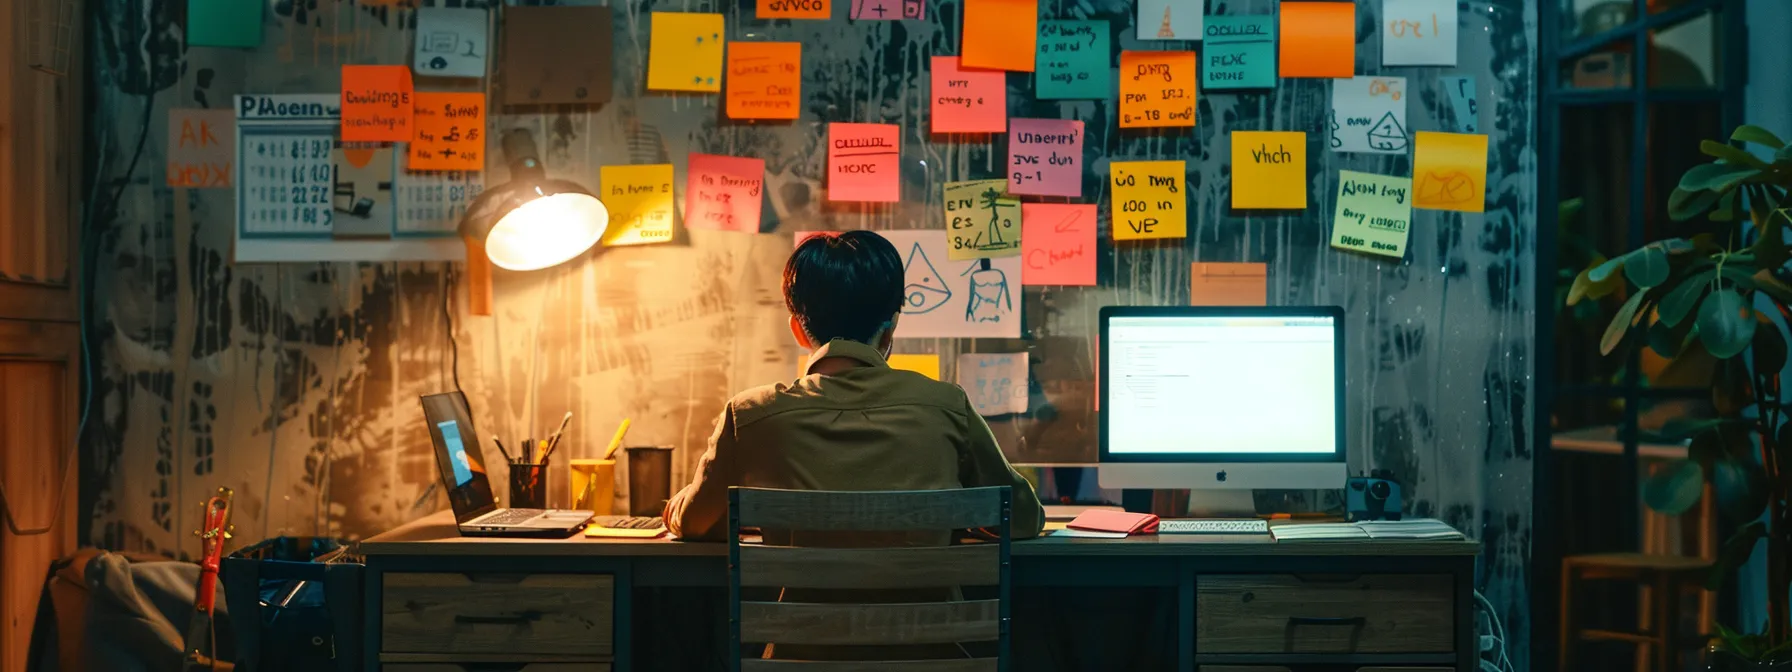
<point x="502" y="451"/>
<point x="616" y="441"/>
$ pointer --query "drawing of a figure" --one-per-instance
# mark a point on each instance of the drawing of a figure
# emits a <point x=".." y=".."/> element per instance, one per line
<point x="990" y="300"/>
<point x="996" y="202"/>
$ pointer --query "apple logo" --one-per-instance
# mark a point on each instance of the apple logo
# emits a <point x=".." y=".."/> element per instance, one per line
<point x="1220" y="476"/>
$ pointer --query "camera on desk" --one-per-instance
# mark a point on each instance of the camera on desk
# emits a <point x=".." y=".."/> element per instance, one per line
<point x="1373" y="497"/>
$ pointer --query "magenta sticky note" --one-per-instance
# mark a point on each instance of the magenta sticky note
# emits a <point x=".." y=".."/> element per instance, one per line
<point x="723" y="193"/>
<point x="968" y="101"/>
<point x="1045" y="157"/>
<point x="863" y="162"/>
<point x="1057" y="243"/>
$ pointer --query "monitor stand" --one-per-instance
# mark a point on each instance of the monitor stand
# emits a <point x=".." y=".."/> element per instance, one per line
<point x="1227" y="503"/>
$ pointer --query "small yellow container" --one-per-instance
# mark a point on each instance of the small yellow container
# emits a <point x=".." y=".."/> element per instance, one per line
<point x="594" y="485"/>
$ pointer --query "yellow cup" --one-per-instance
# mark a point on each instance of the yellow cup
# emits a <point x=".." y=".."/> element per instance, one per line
<point x="594" y="485"/>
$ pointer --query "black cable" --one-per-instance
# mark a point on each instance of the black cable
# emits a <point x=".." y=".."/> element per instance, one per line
<point x="448" y="320"/>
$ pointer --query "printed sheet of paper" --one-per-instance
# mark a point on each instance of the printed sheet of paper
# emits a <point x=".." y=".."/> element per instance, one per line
<point x="968" y="100"/>
<point x="926" y="365"/>
<point x="889" y="10"/>
<point x="201" y="146"/>
<point x="973" y="298"/>
<point x="1058" y="243"/>
<point x="684" y="52"/>
<point x="765" y="80"/>
<point x="640" y="201"/>
<point x="724" y="193"/>
<point x="433" y="203"/>
<point x="1073" y="61"/>
<point x="223" y="23"/>
<point x="996" y="384"/>
<point x="1318" y="39"/>
<point x="1240" y="53"/>
<point x="1450" y="171"/>
<point x="556" y="55"/>
<point x="864" y="163"/>
<point x="451" y="42"/>
<point x="1418" y="32"/>
<point x="982" y="220"/>
<point x="795" y="9"/>
<point x="1157" y="89"/>
<point x="1369" y="115"/>
<point x="1170" y="19"/>
<point x="361" y="194"/>
<point x="1374" y="213"/>
<point x="1000" y="34"/>
<point x="1045" y="157"/>
<point x="376" y="103"/>
<point x="1149" y="199"/>
<point x="1461" y="92"/>
<point x="1269" y="170"/>
<point x="285" y="167"/>
<point x="1228" y="284"/>
<point x="450" y="132"/>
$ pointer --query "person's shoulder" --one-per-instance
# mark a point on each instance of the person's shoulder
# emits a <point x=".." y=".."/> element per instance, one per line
<point x="919" y="388"/>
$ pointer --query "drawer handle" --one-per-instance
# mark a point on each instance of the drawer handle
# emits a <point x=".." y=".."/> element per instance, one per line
<point x="1356" y="623"/>
<point x="524" y="618"/>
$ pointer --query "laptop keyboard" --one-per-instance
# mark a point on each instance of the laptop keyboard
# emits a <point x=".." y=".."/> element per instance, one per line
<point x="631" y="522"/>
<point x="511" y="516"/>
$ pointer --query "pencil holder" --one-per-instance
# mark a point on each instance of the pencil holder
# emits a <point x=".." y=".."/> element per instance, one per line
<point x="594" y="485"/>
<point x="528" y="486"/>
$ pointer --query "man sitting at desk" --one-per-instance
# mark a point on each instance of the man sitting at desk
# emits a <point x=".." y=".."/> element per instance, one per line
<point x="850" y="422"/>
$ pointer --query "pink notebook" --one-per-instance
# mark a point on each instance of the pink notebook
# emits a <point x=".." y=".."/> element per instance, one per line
<point x="1097" y="520"/>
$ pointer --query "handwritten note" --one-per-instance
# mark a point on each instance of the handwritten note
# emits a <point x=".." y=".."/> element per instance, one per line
<point x="1368" y="115"/>
<point x="201" y="144"/>
<point x="1418" y="32"/>
<point x="1073" y="61"/>
<point x="996" y="384"/>
<point x="684" y="52"/>
<point x="942" y="298"/>
<point x="1318" y="39"/>
<point x="1461" y="92"/>
<point x="1374" y="212"/>
<point x="795" y="9"/>
<point x="926" y="365"/>
<point x="1269" y="169"/>
<point x="451" y="42"/>
<point x="1000" y="34"/>
<point x="640" y="203"/>
<point x="1170" y="19"/>
<point x="1045" y="157"/>
<point x="1450" y="171"/>
<point x="450" y="132"/>
<point x="1148" y="199"/>
<point x="968" y="100"/>
<point x="863" y="162"/>
<point x="723" y="193"/>
<point x="1228" y="284"/>
<point x="889" y="10"/>
<point x="982" y="220"/>
<point x="1058" y="243"/>
<point x="376" y="103"/>
<point x="765" y="80"/>
<point x="1157" y="89"/>
<point x="224" y="23"/>
<point x="1240" y="52"/>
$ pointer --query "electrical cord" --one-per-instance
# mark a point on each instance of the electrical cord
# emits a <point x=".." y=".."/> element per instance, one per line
<point x="1501" y="661"/>
<point x="448" y="321"/>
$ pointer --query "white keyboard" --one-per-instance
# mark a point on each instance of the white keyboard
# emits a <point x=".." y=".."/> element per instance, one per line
<point x="1195" y="526"/>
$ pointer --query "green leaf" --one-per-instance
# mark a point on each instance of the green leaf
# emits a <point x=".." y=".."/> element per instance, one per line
<point x="1614" y="332"/>
<point x="1740" y="274"/>
<point x="1684" y="204"/>
<point x="1568" y="212"/>
<point x="1726" y="207"/>
<point x="1730" y="153"/>
<point x="1684" y="297"/>
<point x="1780" y="291"/>
<point x="1675" y="488"/>
<point x="1665" y="340"/>
<point x="1718" y="177"/>
<point x="1707" y="447"/>
<point x="1647" y="267"/>
<point x="1603" y="271"/>
<point x="1735" y="552"/>
<point x="1726" y="323"/>
<point x="1757" y="135"/>
<point x="1785" y="154"/>
<point x="1584" y="287"/>
<point x="1770" y="247"/>
<point x="1741" y="488"/>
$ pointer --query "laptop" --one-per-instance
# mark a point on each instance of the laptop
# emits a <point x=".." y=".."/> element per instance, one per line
<point x="476" y="510"/>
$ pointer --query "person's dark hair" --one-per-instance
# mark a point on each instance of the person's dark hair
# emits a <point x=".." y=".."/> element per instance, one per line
<point x="843" y="285"/>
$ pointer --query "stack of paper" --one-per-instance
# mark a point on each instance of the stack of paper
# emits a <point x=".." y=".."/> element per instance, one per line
<point x="1411" y="528"/>
<point x="1317" y="531"/>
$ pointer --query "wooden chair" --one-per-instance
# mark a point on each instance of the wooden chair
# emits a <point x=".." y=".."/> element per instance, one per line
<point x="1667" y="579"/>
<point x="875" y="558"/>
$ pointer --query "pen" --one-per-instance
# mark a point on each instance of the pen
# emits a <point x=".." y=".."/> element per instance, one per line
<point x="502" y="451"/>
<point x="616" y="441"/>
<point x="554" y="441"/>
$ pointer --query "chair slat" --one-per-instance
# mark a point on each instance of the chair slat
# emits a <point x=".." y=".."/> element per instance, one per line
<point x="919" y="623"/>
<point x="870" y="511"/>
<point x="919" y="567"/>
<point x="952" y="665"/>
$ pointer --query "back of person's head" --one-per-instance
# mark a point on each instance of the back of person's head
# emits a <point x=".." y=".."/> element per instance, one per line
<point x="844" y="285"/>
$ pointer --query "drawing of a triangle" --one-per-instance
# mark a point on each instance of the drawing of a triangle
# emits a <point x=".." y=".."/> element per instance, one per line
<point x="926" y="290"/>
<point x="1388" y="130"/>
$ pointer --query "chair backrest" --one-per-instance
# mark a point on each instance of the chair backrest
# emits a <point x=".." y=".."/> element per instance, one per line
<point x="869" y="515"/>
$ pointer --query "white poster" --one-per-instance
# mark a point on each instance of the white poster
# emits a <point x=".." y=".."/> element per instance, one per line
<point x="451" y="42"/>
<point x="972" y="298"/>
<point x="1171" y="19"/>
<point x="1418" y="32"/>
<point x="996" y="384"/>
<point x="1369" y="115"/>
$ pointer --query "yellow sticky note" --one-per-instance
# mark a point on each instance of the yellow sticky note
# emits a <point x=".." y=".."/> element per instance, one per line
<point x="982" y="220"/>
<point x="926" y="365"/>
<point x="1269" y="170"/>
<point x="1000" y="34"/>
<point x="1374" y="213"/>
<point x="684" y="52"/>
<point x="640" y="203"/>
<point x="1449" y="171"/>
<point x="1149" y="201"/>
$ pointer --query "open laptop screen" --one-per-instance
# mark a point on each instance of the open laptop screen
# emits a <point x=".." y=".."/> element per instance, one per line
<point x="457" y="454"/>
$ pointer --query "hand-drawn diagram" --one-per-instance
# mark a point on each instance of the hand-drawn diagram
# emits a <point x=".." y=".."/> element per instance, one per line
<point x="1387" y="134"/>
<point x="982" y="220"/>
<point x="1369" y="115"/>
<point x="990" y="300"/>
<point x="947" y="298"/>
<point x="451" y="42"/>
<point x="926" y="290"/>
<point x="1446" y="188"/>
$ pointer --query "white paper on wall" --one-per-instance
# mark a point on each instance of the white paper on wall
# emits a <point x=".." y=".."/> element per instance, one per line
<point x="971" y="298"/>
<point x="451" y="42"/>
<point x="1418" y="32"/>
<point x="1369" y="115"/>
<point x="996" y="384"/>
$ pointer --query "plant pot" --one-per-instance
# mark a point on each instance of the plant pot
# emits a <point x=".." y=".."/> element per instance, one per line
<point x="1719" y="660"/>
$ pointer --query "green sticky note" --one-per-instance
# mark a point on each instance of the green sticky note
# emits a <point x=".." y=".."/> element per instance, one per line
<point x="1241" y="53"/>
<point x="1073" y="61"/>
<point x="1374" y="213"/>
<point x="224" y="23"/>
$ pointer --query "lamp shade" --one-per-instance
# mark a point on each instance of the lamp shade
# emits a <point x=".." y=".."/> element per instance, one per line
<point x="546" y="230"/>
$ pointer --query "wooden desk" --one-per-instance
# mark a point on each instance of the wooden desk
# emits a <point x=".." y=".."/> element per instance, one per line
<point x="1367" y="603"/>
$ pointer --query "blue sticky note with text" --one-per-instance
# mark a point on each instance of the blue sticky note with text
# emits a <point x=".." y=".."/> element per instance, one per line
<point x="1241" y="53"/>
<point x="1461" y="92"/>
<point x="224" y="23"/>
<point x="1073" y="62"/>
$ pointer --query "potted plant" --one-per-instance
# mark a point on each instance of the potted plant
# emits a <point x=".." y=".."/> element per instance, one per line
<point x="1701" y="301"/>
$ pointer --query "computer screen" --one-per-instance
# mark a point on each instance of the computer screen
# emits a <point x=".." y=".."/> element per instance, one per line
<point x="457" y="452"/>
<point x="462" y="465"/>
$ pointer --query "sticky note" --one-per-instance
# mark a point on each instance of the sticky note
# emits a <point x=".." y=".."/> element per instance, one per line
<point x="1418" y="32"/>
<point x="556" y="55"/>
<point x="1073" y="61"/>
<point x="450" y="132"/>
<point x="1269" y="169"/>
<point x="201" y="146"/>
<point x="968" y="100"/>
<point x="1228" y="284"/>
<point x="224" y="23"/>
<point x="1148" y="199"/>
<point x="1461" y="92"/>
<point x="376" y="103"/>
<point x="863" y="162"/>
<point x="1318" y="39"/>
<point x="724" y="193"/>
<point x="926" y="365"/>
<point x="996" y="384"/>
<point x="1240" y="52"/>
<point x="1000" y="34"/>
<point x="1058" y="243"/>
<point x="795" y="9"/>
<point x="450" y="42"/>
<point x="640" y="202"/>
<point x="1374" y="213"/>
<point x="765" y="80"/>
<point x="684" y="52"/>
<point x="1170" y="19"/>
<point x="1045" y="157"/>
<point x="982" y="220"/>
<point x="1449" y="171"/>
<point x="942" y="298"/>
<point x="889" y="10"/>
<point x="1157" y="89"/>
<point x="1368" y="115"/>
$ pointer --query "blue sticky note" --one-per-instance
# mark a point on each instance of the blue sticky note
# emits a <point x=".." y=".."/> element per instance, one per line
<point x="224" y="23"/>
<point x="1074" y="61"/>
<point x="1461" y="92"/>
<point x="1241" y="53"/>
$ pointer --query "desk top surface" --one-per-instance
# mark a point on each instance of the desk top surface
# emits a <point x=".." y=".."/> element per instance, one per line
<point x="435" y="534"/>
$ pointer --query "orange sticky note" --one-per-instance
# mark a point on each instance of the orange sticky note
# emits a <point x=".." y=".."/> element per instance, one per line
<point x="1000" y="34"/>
<point x="796" y="9"/>
<point x="1318" y="39"/>
<point x="765" y="80"/>
<point x="1218" y="284"/>
<point x="450" y="132"/>
<point x="1157" y="88"/>
<point x="1449" y="171"/>
<point x="863" y="163"/>
<point x="968" y="101"/>
<point x="376" y="103"/>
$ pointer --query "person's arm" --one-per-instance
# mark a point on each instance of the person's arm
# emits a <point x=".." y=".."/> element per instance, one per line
<point x="986" y="466"/>
<point x="700" y="510"/>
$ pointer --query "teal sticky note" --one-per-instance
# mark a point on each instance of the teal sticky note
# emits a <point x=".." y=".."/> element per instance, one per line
<point x="1074" y="61"/>
<point x="1241" y="53"/>
<point x="224" y="23"/>
<point x="1461" y="91"/>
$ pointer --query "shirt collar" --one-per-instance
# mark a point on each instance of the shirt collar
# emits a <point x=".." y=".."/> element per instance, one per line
<point x="850" y="349"/>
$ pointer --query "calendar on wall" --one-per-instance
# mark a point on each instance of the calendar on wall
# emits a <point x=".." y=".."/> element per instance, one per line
<point x="433" y="203"/>
<point x="285" y="165"/>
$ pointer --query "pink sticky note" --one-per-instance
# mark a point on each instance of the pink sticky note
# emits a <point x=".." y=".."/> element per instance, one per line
<point x="889" y="10"/>
<point x="723" y="193"/>
<point x="1045" y="157"/>
<point x="968" y="100"/>
<point x="863" y="162"/>
<point x="1057" y="243"/>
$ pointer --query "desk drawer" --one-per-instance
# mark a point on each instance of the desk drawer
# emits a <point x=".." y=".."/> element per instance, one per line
<point x="1278" y="613"/>
<point x="529" y="614"/>
<point x="496" y="667"/>
<point x="1278" y="668"/>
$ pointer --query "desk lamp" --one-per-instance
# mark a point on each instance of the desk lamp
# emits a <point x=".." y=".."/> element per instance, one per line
<point x="528" y="223"/>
